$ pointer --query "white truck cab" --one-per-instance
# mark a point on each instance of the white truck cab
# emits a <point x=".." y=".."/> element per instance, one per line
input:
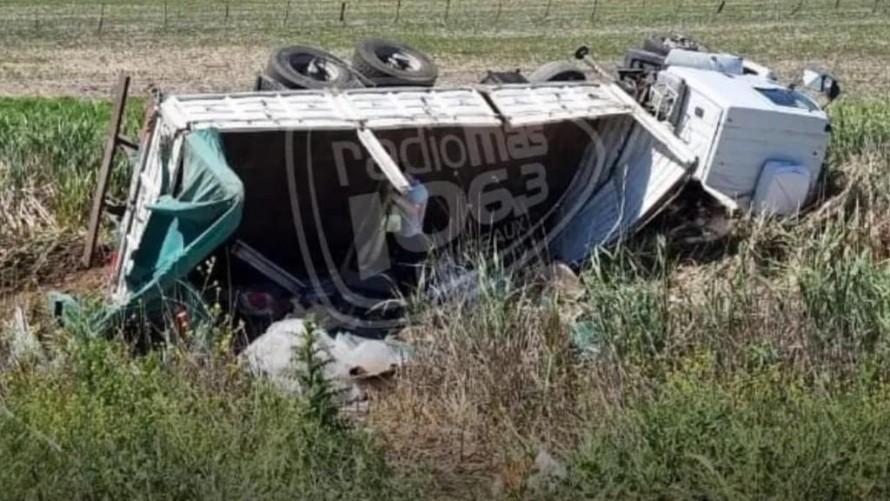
<point x="760" y="145"/>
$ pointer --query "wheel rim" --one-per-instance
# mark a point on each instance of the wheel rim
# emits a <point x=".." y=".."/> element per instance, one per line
<point x="399" y="60"/>
<point x="315" y="67"/>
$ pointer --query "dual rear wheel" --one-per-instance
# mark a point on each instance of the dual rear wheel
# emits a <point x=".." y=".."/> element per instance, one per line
<point x="375" y="63"/>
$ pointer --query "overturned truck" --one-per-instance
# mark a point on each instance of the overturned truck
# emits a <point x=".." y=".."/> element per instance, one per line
<point x="335" y="196"/>
<point x="329" y="193"/>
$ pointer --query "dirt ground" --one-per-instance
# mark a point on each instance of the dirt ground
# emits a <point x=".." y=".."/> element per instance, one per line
<point x="91" y="71"/>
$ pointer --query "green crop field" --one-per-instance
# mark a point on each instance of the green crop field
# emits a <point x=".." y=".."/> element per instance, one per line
<point x="751" y="366"/>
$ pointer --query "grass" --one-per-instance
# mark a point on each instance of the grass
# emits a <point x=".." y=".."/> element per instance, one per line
<point x="755" y="435"/>
<point x="101" y="423"/>
<point x="201" y="16"/>
<point x="50" y="151"/>
<point x="753" y="367"/>
<point x="49" y="157"/>
<point x="511" y="30"/>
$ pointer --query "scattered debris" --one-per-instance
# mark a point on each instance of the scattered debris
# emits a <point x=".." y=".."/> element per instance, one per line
<point x="352" y="363"/>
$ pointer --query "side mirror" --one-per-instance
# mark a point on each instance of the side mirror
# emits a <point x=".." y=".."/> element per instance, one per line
<point x="822" y="82"/>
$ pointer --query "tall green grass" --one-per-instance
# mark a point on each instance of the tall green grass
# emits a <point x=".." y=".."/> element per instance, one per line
<point x="50" y="151"/>
<point x="859" y="126"/>
<point x="757" y="435"/>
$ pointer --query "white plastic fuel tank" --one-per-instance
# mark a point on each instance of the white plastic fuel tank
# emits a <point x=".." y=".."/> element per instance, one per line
<point x="782" y="189"/>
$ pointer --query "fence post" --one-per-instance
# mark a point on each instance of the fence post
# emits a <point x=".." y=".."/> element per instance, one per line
<point x="165" y="14"/>
<point x="593" y="14"/>
<point x="226" y="20"/>
<point x="101" y="18"/>
<point x="497" y="16"/>
<point x="721" y="6"/>
<point x="447" y="9"/>
<point x="398" y="10"/>
<point x="286" y="14"/>
<point x="547" y="12"/>
<point x="343" y="12"/>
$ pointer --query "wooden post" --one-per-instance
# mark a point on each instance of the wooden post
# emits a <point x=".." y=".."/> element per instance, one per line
<point x="721" y="6"/>
<point x="593" y="14"/>
<point x="286" y="14"/>
<point x="343" y="12"/>
<point x="111" y="142"/>
<point x="547" y="11"/>
<point x="398" y="10"/>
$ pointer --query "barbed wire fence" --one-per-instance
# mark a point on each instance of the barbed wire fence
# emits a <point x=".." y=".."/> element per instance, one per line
<point x="263" y="15"/>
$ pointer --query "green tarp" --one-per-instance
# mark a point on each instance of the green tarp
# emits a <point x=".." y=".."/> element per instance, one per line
<point x="184" y="225"/>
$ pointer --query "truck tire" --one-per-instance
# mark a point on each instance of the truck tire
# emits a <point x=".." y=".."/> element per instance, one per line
<point x="392" y="64"/>
<point x="557" y="71"/>
<point x="644" y="60"/>
<point x="301" y="67"/>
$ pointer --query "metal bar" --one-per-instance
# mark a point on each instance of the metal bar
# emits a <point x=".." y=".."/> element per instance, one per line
<point x="659" y="130"/>
<point x="384" y="161"/>
<point x="127" y="142"/>
<point x="111" y="142"/>
<point x="267" y="268"/>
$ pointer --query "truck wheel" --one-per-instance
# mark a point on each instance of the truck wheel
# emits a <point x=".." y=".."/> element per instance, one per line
<point x="393" y="64"/>
<point x="557" y="71"/>
<point x="302" y="67"/>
